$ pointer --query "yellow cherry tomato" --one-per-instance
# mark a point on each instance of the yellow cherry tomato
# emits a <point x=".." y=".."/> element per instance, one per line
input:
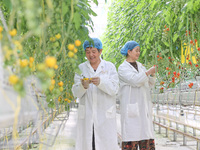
<point x="77" y="43"/>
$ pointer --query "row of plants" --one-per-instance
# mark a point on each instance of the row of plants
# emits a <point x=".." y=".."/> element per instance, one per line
<point x="168" y="33"/>
<point x="43" y="39"/>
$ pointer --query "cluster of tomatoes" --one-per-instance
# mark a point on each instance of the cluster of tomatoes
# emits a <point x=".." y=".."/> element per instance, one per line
<point x="166" y="29"/>
<point x="190" y="85"/>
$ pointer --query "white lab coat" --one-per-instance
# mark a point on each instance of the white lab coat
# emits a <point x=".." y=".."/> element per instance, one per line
<point x="97" y="106"/>
<point x="135" y="102"/>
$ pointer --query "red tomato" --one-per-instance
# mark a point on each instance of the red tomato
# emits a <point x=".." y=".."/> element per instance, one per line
<point x="167" y="68"/>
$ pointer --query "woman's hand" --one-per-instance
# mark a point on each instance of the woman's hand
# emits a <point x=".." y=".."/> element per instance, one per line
<point x="152" y="70"/>
<point x="96" y="81"/>
<point x="85" y="83"/>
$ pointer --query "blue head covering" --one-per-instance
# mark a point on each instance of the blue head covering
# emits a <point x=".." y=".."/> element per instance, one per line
<point x="128" y="46"/>
<point x="93" y="42"/>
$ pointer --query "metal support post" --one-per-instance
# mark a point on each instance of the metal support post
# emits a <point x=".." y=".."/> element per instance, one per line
<point x="184" y="137"/>
<point x="159" y="128"/>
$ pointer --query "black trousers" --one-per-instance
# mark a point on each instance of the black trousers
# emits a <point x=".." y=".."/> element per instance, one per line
<point x="93" y="141"/>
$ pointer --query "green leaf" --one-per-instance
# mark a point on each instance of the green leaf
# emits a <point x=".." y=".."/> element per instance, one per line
<point x="144" y="52"/>
<point x="77" y="20"/>
<point x="85" y="14"/>
<point x="153" y="4"/>
<point x="175" y="37"/>
<point x="8" y="4"/>
<point x="167" y="18"/>
<point x="180" y="26"/>
<point x="65" y="8"/>
<point x="167" y="44"/>
<point x="93" y="13"/>
<point x="95" y="1"/>
<point x="150" y="30"/>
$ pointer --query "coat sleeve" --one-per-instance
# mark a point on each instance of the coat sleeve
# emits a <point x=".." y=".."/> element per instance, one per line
<point x="110" y="85"/>
<point x="129" y="76"/>
<point x="77" y="89"/>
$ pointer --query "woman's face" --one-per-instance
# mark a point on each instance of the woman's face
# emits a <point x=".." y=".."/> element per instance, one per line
<point x="92" y="54"/>
<point x="135" y="53"/>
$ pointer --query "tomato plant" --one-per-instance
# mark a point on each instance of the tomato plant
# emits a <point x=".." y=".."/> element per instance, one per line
<point x="43" y="39"/>
<point x="168" y="33"/>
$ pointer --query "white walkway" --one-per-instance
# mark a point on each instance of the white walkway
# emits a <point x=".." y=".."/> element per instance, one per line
<point x="66" y="137"/>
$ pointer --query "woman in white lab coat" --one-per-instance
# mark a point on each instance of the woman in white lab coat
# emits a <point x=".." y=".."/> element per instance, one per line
<point x="135" y="100"/>
<point x="96" y="126"/>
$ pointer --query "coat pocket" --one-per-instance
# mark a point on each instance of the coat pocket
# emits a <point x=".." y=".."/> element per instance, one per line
<point x="110" y="113"/>
<point x="81" y="112"/>
<point x="133" y="110"/>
